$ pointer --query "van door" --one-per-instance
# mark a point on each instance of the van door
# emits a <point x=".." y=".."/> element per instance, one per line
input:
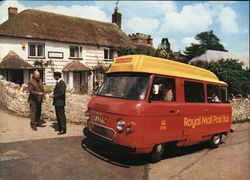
<point x="193" y="109"/>
<point x="162" y="112"/>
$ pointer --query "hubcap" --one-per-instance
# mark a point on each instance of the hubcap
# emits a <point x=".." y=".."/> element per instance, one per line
<point x="216" y="139"/>
<point x="159" y="148"/>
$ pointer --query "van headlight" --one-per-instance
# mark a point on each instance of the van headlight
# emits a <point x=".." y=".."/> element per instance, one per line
<point x="120" y="125"/>
<point x="87" y="115"/>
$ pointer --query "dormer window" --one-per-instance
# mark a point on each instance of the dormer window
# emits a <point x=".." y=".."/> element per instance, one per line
<point x="36" y="50"/>
<point x="108" y="54"/>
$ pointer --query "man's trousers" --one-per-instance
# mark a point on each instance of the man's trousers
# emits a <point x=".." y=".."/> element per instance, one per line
<point x="61" y="118"/>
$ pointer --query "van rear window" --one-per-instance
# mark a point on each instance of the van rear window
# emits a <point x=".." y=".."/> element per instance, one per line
<point x="224" y="95"/>
<point x="194" y="92"/>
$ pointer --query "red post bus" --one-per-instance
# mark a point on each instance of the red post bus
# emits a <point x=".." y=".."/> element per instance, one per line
<point x="145" y="103"/>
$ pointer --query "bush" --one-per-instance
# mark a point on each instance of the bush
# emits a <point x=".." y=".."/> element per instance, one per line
<point x="231" y="72"/>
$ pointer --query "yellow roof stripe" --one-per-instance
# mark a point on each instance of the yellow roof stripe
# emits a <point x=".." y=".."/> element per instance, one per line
<point x="154" y="65"/>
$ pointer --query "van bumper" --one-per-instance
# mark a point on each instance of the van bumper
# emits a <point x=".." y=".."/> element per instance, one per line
<point x="89" y="134"/>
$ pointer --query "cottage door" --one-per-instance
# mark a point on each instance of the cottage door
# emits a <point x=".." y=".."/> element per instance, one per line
<point x="77" y="80"/>
<point x="17" y="76"/>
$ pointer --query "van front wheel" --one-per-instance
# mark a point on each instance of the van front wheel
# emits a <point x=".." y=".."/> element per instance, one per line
<point x="157" y="153"/>
<point x="215" y="141"/>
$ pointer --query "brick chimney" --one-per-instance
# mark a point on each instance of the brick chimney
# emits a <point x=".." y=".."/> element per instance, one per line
<point x="117" y="17"/>
<point x="12" y="11"/>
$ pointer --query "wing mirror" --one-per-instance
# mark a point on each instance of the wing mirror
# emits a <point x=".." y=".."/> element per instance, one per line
<point x="156" y="88"/>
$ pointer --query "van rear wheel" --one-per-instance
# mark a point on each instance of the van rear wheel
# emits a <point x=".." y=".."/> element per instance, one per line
<point x="215" y="141"/>
<point x="157" y="153"/>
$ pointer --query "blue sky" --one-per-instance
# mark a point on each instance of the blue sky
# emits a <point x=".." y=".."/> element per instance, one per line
<point x="179" y="21"/>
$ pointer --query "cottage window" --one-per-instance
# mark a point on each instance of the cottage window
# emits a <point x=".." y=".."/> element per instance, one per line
<point x="74" y="51"/>
<point x="108" y="54"/>
<point x="36" y="50"/>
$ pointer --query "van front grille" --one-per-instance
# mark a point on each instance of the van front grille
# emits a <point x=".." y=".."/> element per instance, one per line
<point x="102" y="131"/>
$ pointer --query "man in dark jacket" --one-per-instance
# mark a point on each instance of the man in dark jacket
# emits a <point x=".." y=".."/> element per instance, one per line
<point x="35" y="100"/>
<point x="59" y="102"/>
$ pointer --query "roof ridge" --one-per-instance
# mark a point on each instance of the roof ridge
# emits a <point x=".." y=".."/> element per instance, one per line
<point x="58" y="14"/>
<point x="33" y="23"/>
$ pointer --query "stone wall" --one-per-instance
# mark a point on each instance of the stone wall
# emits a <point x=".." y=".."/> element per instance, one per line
<point x="241" y="109"/>
<point x="15" y="99"/>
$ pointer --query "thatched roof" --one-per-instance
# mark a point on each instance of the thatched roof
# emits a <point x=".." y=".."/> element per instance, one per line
<point x="50" y="26"/>
<point x="13" y="61"/>
<point x="76" y="65"/>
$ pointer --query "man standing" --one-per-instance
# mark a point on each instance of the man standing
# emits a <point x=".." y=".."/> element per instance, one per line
<point x="35" y="100"/>
<point x="59" y="102"/>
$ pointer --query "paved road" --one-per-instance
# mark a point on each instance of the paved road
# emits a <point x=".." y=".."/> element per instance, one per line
<point x="64" y="158"/>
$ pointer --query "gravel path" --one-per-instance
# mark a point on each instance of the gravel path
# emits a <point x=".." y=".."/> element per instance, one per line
<point x="14" y="128"/>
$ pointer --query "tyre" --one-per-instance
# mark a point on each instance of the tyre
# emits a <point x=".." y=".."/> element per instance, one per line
<point x="215" y="141"/>
<point x="157" y="153"/>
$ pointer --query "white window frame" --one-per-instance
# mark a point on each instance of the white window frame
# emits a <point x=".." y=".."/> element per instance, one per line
<point x="77" y="48"/>
<point x="110" y="54"/>
<point x="36" y="50"/>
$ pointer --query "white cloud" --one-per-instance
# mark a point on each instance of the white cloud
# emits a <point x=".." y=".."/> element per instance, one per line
<point x="192" y="19"/>
<point x="174" y="45"/>
<point x="228" y="20"/>
<point x="142" y="25"/>
<point x="156" y="41"/>
<point x="188" y="40"/>
<point x="4" y="9"/>
<point x="148" y="9"/>
<point x="89" y="12"/>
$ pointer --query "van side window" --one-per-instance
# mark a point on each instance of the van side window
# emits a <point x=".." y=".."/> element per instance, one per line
<point x="163" y="89"/>
<point x="194" y="92"/>
<point x="213" y="93"/>
<point x="224" y="95"/>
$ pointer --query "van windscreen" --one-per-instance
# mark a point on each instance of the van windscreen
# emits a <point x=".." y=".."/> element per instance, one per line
<point x="125" y="85"/>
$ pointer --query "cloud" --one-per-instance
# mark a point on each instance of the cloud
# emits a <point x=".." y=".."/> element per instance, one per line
<point x="142" y="25"/>
<point x="174" y="45"/>
<point x="89" y="12"/>
<point x="146" y="9"/>
<point x="4" y="9"/>
<point x="188" y="40"/>
<point x="228" y="20"/>
<point x="156" y="41"/>
<point x="191" y="19"/>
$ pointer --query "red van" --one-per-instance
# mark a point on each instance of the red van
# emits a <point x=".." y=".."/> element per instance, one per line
<point x="145" y="103"/>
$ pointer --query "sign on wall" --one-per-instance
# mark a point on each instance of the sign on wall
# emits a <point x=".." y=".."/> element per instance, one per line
<point x="54" y="54"/>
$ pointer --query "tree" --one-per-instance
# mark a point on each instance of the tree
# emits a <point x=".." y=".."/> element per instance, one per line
<point x="207" y="40"/>
<point x="122" y="51"/>
<point x="164" y="49"/>
<point x="231" y="72"/>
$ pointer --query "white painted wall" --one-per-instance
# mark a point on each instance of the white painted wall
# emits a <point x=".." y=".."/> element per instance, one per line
<point x="91" y="54"/>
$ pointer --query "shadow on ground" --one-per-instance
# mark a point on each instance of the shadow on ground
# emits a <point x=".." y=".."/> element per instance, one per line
<point x="55" y="126"/>
<point x="111" y="154"/>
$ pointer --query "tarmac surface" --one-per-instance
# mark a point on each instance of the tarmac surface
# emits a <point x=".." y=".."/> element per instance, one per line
<point x="43" y="155"/>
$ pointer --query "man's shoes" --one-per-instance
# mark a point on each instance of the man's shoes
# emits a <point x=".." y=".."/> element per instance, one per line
<point x="61" y="132"/>
<point x="33" y="127"/>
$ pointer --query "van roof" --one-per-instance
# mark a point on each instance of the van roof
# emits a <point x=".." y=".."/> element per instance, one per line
<point x="154" y="65"/>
